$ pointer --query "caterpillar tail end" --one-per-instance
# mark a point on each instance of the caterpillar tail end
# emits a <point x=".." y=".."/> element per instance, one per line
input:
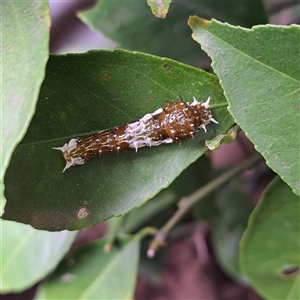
<point x="68" y="162"/>
<point x="69" y="153"/>
<point x="213" y="120"/>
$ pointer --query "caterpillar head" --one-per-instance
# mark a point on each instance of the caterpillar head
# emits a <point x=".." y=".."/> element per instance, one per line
<point x="206" y="116"/>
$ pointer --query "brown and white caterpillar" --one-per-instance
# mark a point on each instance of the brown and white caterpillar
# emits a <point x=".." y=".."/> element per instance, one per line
<point x="175" y="121"/>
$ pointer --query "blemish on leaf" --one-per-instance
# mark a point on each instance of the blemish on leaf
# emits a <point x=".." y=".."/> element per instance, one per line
<point x="107" y="77"/>
<point x="290" y="271"/>
<point x="166" y="66"/>
<point x="194" y="20"/>
<point x="159" y="8"/>
<point x="203" y="22"/>
<point x="82" y="213"/>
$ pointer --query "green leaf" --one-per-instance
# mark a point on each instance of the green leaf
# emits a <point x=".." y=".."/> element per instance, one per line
<point x="188" y="181"/>
<point x="25" y="31"/>
<point x="132" y="26"/>
<point x="82" y="94"/>
<point x="28" y="255"/>
<point x="90" y="273"/>
<point x="234" y="210"/>
<point x="271" y="245"/>
<point x="259" y="72"/>
<point x="159" y="8"/>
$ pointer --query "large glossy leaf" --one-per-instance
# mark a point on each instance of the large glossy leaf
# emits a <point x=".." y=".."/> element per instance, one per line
<point x="132" y="26"/>
<point x="270" y="247"/>
<point x="28" y="255"/>
<point x="259" y="71"/>
<point x="82" y="94"/>
<point x="24" y="50"/>
<point x="90" y="273"/>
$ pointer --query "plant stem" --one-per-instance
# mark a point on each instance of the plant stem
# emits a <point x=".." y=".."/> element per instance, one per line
<point x="223" y="104"/>
<point x="185" y="203"/>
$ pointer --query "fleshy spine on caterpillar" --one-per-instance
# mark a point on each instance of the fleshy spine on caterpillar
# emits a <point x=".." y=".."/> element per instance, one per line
<point x="175" y="121"/>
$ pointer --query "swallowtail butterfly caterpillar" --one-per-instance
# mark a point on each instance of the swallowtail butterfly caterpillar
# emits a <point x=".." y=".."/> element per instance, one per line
<point x="175" y="121"/>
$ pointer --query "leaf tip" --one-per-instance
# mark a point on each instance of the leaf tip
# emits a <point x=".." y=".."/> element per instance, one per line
<point x="195" y="20"/>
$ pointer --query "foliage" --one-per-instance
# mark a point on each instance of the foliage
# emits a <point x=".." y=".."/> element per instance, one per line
<point x="257" y="74"/>
<point x="20" y="86"/>
<point x="135" y="177"/>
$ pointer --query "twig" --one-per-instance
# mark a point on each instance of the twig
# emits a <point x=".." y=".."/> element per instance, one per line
<point x="185" y="204"/>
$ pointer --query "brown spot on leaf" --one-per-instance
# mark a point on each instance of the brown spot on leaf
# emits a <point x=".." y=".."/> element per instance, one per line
<point x="166" y="66"/>
<point x="107" y="77"/>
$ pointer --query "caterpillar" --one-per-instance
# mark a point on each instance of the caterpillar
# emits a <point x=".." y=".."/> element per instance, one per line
<point x="175" y="121"/>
